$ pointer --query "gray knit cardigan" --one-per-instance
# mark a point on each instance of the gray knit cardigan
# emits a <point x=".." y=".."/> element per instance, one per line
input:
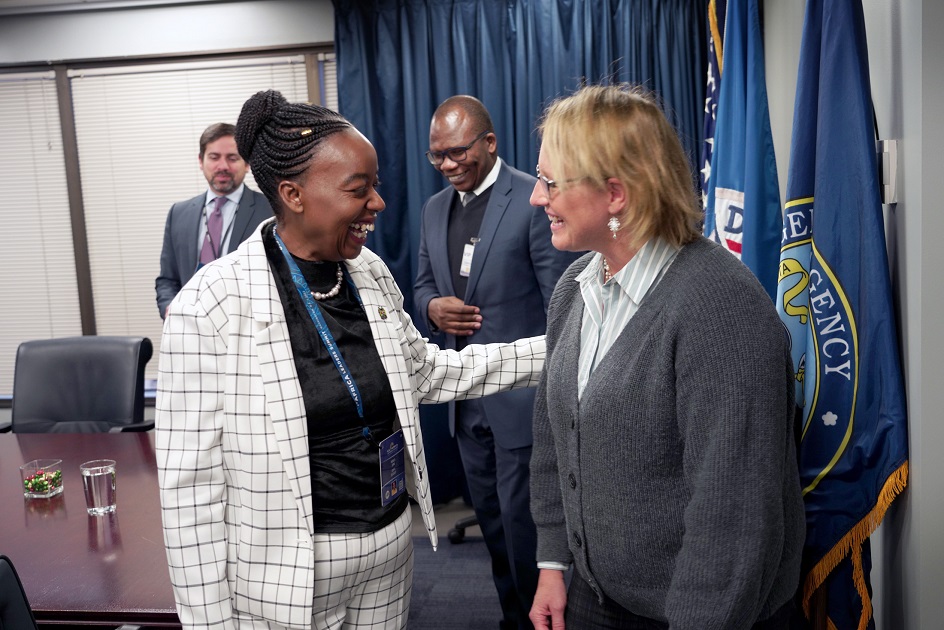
<point x="672" y="485"/>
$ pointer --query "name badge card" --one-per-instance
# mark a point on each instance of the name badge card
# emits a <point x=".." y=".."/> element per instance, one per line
<point x="392" y="468"/>
<point x="465" y="268"/>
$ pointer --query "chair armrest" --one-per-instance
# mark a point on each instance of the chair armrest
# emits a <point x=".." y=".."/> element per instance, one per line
<point x="147" y="425"/>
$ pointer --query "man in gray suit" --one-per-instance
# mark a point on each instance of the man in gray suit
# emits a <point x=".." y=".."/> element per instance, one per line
<point x="486" y="272"/>
<point x="213" y="223"/>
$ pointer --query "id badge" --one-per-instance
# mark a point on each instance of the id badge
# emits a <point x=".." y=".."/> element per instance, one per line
<point x="392" y="468"/>
<point x="465" y="268"/>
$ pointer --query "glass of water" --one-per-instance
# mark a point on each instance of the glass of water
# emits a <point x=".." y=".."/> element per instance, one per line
<point x="98" y="479"/>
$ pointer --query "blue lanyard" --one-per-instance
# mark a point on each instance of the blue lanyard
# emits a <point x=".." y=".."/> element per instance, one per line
<point x="326" y="338"/>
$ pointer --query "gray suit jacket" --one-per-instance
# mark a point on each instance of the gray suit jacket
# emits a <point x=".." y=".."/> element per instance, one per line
<point x="513" y="274"/>
<point x="179" y="253"/>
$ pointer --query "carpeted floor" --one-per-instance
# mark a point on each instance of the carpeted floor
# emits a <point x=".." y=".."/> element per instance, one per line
<point x="452" y="587"/>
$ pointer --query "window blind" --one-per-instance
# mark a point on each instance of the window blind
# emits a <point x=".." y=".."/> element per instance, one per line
<point x="329" y="80"/>
<point x="39" y="295"/>
<point x="138" y="131"/>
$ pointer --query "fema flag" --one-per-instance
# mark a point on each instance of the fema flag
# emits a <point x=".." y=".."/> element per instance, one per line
<point x="742" y="211"/>
<point x="834" y="298"/>
<point x="716" y="11"/>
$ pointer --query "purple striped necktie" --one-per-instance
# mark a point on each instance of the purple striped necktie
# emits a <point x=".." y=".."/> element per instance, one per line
<point x="212" y="247"/>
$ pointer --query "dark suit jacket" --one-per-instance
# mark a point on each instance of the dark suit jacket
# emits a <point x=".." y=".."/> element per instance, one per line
<point x="514" y="271"/>
<point x="179" y="253"/>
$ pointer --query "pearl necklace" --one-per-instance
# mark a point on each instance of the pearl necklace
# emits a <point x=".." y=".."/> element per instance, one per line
<point x="332" y="292"/>
<point x="606" y="272"/>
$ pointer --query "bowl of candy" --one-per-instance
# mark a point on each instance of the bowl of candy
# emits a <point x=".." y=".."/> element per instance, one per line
<point x="42" y="478"/>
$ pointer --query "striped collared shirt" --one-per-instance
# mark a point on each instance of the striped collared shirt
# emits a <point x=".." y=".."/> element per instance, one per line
<point x="610" y="306"/>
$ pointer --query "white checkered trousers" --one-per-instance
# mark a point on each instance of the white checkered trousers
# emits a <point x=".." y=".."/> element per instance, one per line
<point x="233" y="460"/>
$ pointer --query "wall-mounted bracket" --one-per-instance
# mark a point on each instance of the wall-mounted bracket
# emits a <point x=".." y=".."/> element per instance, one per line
<point x="888" y="168"/>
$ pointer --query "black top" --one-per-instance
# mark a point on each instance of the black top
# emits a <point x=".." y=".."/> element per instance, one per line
<point x="345" y="467"/>
<point x="464" y="224"/>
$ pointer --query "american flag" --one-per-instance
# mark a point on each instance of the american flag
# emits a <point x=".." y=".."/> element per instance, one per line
<point x="716" y="13"/>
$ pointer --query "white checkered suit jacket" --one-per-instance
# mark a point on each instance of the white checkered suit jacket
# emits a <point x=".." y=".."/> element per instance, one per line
<point x="232" y="440"/>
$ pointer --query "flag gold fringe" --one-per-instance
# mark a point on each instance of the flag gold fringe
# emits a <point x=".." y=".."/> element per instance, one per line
<point x="852" y="543"/>
<point x="716" y="34"/>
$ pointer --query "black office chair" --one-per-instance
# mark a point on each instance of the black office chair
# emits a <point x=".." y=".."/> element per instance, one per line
<point x="80" y="385"/>
<point x="15" y="611"/>
<point x="457" y="533"/>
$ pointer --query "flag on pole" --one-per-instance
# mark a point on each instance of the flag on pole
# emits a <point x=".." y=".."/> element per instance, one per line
<point x="742" y="210"/>
<point x="716" y="11"/>
<point x="834" y="297"/>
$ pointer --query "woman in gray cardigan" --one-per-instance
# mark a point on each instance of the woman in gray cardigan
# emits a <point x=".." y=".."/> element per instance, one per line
<point x="664" y="465"/>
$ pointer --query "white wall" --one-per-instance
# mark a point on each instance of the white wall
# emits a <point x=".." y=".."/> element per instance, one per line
<point x="918" y="57"/>
<point x="905" y="57"/>
<point x="164" y="30"/>
<point x="783" y="27"/>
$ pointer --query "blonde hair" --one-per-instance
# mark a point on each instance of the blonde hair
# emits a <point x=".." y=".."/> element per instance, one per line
<point x="618" y="131"/>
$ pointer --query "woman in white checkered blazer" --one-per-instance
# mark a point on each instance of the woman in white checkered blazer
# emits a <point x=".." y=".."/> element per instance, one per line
<point x="287" y="420"/>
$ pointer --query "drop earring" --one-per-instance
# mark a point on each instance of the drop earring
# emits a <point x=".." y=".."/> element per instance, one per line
<point x="614" y="225"/>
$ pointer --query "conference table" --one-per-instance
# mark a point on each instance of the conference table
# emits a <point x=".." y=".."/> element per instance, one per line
<point x="82" y="570"/>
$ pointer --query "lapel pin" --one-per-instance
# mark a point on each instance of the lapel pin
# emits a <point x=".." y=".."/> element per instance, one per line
<point x="382" y="312"/>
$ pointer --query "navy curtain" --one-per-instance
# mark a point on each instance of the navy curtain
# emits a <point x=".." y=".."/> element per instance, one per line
<point x="398" y="59"/>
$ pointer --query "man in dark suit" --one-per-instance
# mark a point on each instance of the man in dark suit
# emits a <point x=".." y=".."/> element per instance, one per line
<point x="213" y="223"/>
<point x="486" y="273"/>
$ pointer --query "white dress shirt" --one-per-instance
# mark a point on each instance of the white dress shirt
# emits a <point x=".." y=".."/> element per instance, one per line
<point x="610" y="305"/>
<point x="490" y="179"/>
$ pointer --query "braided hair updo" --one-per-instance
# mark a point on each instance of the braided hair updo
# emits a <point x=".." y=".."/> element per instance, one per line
<point x="279" y="139"/>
